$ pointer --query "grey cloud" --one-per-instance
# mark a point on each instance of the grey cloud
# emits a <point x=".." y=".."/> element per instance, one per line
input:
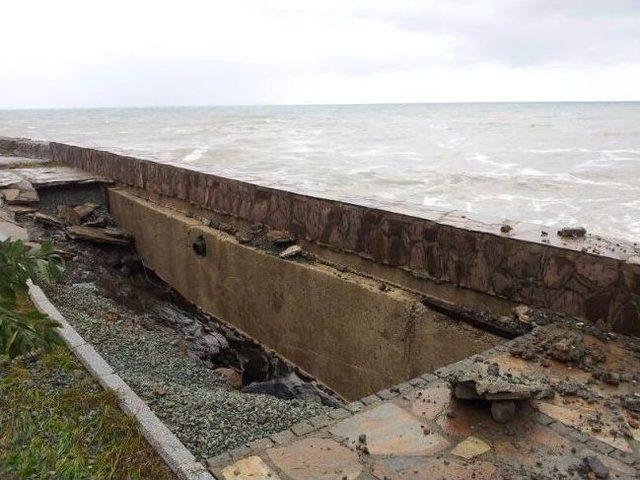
<point x="527" y="32"/>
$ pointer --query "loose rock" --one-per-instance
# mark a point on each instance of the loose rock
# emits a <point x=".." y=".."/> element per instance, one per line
<point x="291" y="251"/>
<point x="572" y="232"/>
<point x="231" y="376"/>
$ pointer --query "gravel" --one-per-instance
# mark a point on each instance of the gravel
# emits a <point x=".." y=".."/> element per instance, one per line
<point x="203" y="412"/>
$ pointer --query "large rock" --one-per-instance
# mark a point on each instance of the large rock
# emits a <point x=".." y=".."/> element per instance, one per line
<point x="291" y="387"/>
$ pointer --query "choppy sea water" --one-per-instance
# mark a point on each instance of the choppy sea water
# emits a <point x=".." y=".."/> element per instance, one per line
<point x="555" y="164"/>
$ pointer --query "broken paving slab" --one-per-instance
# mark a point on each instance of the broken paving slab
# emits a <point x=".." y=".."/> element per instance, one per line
<point x="8" y="177"/>
<point x="20" y="191"/>
<point x="47" y="220"/>
<point x="470" y="447"/>
<point x="20" y="209"/>
<point x="16" y="196"/>
<point x="420" y="468"/>
<point x="53" y="176"/>
<point x="9" y="230"/>
<point x="99" y="235"/>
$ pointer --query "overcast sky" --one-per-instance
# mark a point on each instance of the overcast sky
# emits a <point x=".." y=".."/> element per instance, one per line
<point x="144" y="53"/>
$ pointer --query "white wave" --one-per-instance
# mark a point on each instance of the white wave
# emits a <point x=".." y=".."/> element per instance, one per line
<point x="479" y="157"/>
<point x="194" y="155"/>
<point x="547" y="150"/>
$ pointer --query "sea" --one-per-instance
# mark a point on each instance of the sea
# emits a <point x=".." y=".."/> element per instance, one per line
<point x="554" y="164"/>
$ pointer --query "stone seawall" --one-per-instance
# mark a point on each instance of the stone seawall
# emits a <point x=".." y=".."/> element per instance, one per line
<point x="593" y="278"/>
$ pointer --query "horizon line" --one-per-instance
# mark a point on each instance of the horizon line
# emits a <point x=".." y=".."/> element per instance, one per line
<point x="224" y="105"/>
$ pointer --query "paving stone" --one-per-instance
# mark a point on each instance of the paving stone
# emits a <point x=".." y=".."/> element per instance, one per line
<point x="320" y="421"/>
<point x="250" y="468"/>
<point x="471" y="447"/>
<point x="355" y="406"/>
<point x="283" y="437"/>
<point x="260" y="444"/>
<point x="371" y="400"/>
<point x="387" y="394"/>
<point x="218" y="460"/>
<point x="339" y="413"/>
<point x="302" y="428"/>
<point x="419" y="468"/>
<point x="404" y="387"/>
<point x="390" y="430"/>
<point x="50" y="176"/>
<point x="316" y="459"/>
<point x="429" y="377"/>
<point x="431" y="401"/>
<point x="417" y="382"/>
<point x="576" y="416"/>
<point x="533" y="443"/>
<point x="240" y="451"/>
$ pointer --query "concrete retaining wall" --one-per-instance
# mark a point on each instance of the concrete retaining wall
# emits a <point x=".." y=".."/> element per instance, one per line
<point x="339" y="327"/>
<point x="593" y="278"/>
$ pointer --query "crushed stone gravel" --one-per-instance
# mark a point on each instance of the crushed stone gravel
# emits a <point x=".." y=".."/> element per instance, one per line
<point x="203" y="412"/>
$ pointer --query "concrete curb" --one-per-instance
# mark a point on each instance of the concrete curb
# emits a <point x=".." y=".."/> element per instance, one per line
<point x="168" y="446"/>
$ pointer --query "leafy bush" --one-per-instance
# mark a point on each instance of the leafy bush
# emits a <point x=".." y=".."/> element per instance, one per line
<point x="22" y="328"/>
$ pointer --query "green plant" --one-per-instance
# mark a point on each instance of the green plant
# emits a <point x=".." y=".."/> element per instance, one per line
<point x="22" y="328"/>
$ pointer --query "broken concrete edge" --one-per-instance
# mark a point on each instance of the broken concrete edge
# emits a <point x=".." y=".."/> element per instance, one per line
<point x="325" y="421"/>
<point x="179" y="459"/>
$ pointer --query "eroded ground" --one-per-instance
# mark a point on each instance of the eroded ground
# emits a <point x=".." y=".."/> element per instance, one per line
<point x="206" y="381"/>
<point x="583" y="423"/>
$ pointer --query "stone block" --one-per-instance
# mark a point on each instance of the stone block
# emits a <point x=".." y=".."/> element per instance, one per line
<point x="260" y="444"/>
<point x="302" y="428"/>
<point x="282" y="437"/>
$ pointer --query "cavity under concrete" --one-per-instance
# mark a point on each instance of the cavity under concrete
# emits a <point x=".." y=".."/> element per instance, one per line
<point x="338" y="326"/>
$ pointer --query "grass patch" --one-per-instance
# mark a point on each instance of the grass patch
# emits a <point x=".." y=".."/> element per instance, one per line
<point x="56" y="422"/>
